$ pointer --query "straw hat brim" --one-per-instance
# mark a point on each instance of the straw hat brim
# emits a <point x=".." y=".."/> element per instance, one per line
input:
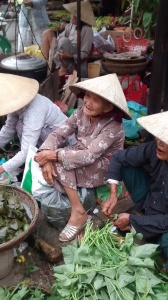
<point x="157" y="125"/>
<point x="108" y="87"/>
<point x="87" y="15"/>
<point x="16" y="92"/>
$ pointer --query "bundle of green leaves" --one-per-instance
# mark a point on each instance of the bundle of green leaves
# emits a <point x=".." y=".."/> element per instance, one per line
<point x="109" y="267"/>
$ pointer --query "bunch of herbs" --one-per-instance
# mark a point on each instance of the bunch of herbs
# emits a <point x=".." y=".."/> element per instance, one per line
<point x="110" y="267"/>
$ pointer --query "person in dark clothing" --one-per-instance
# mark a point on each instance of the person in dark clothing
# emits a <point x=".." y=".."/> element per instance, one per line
<point x="148" y="189"/>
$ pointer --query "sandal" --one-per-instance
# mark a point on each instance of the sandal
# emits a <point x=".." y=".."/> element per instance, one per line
<point x="71" y="231"/>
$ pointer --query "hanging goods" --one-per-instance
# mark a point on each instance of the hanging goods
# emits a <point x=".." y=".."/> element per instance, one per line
<point x="132" y="41"/>
<point x="135" y="90"/>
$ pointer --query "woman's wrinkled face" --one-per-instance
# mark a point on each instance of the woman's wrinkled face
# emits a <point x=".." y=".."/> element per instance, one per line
<point x="162" y="150"/>
<point x="73" y="20"/>
<point x="95" y="105"/>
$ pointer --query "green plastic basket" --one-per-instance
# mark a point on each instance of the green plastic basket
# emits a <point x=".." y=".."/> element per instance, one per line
<point x="5" y="45"/>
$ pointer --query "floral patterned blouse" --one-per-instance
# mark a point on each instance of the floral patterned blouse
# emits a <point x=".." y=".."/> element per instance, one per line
<point x="85" y="164"/>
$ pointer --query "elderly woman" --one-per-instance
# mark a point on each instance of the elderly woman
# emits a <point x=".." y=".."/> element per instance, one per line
<point x="144" y="171"/>
<point x="65" y="57"/>
<point x="29" y="115"/>
<point x="99" y="133"/>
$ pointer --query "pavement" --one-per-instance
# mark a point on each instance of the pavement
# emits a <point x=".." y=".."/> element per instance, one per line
<point x="43" y="251"/>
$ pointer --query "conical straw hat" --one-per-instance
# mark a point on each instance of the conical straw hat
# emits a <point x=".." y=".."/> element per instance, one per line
<point x="157" y="125"/>
<point x="16" y="92"/>
<point x="87" y="15"/>
<point x="107" y="87"/>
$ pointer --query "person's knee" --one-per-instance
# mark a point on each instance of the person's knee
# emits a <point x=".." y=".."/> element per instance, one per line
<point x="163" y="241"/>
<point x="63" y="43"/>
<point x="47" y="34"/>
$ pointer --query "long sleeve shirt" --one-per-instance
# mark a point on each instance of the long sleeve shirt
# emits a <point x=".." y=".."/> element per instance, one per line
<point x="32" y="123"/>
<point x="95" y="143"/>
<point x="86" y="39"/>
<point x="154" y="220"/>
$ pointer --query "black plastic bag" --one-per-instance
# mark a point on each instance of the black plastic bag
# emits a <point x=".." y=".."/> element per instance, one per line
<point x="56" y="206"/>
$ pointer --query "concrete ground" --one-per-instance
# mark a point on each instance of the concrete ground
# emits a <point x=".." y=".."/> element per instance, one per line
<point x="44" y="251"/>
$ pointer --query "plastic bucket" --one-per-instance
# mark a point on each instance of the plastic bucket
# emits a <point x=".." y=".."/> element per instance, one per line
<point x="6" y="262"/>
<point x="93" y="70"/>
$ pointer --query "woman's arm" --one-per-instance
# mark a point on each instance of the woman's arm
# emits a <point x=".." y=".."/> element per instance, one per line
<point x="8" y="130"/>
<point x="150" y="225"/>
<point x="133" y="156"/>
<point x="112" y="134"/>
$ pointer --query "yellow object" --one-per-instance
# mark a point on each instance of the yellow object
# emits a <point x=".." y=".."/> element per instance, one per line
<point x="93" y="70"/>
<point x="33" y="50"/>
<point x="21" y="259"/>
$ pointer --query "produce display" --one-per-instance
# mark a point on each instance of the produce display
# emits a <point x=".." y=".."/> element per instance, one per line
<point x="103" y="265"/>
<point x="108" y="266"/>
<point x="64" y="15"/>
<point x="13" y="217"/>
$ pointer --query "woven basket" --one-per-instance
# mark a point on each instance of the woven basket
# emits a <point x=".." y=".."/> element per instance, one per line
<point x="123" y="69"/>
<point x="27" y="199"/>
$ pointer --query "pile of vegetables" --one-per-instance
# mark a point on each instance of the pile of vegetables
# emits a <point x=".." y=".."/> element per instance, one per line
<point x="13" y="217"/>
<point x="105" y="266"/>
<point x="109" y="267"/>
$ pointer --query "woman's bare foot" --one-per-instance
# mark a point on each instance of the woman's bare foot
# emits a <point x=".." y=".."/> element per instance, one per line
<point x="76" y="224"/>
<point x="78" y="218"/>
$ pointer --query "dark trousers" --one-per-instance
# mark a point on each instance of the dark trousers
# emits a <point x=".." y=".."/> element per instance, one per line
<point x="137" y="182"/>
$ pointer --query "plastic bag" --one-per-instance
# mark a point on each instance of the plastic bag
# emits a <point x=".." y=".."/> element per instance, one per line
<point x="33" y="50"/>
<point x="103" y="45"/>
<point x="132" y="127"/>
<point x="57" y="209"/>
<point x="33" y="180"/>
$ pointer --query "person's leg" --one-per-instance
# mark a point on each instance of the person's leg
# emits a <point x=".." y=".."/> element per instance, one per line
<point x="78" y="213"/>
<point x="47" y="37"/>
<point x="24" y="39"/>
<point x="37" y="36"/>
<point x="66" y="183"/>
<point x="66" y="66"/>
<point x="78" y="217"/>
<point x="137" y="182"/>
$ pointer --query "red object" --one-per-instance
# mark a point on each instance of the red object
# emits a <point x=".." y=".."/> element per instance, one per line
<point x="135" y="91"/>
<point x="62" y="106"/>
<point x="134" y="45"/>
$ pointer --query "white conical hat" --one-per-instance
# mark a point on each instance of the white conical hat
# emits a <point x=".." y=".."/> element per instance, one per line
<point x="16" y="92"/>
<point x="107" y="87"/>
<point x="157" y="125"/>
<point x="87" y="15"/>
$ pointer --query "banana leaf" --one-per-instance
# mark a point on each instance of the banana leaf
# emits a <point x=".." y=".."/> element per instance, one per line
<point x="16" y="224"/>
<point x="1" y="221"/>
<point x="3" y="209"/>
<point x="3" y="234"/>
<point x="18" y="232"/>
<point x="13" y="200"/>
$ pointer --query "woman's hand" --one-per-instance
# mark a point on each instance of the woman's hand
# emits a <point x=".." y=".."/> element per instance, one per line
<point x="123" y="221"/>
<point x="44" y="157"/>
<point x="109" y="205"/>
<point x="49" y="172"/>
<point x="28" y="3"/>
<point x="111" y="202"/>
<point x="65" y="55"/>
